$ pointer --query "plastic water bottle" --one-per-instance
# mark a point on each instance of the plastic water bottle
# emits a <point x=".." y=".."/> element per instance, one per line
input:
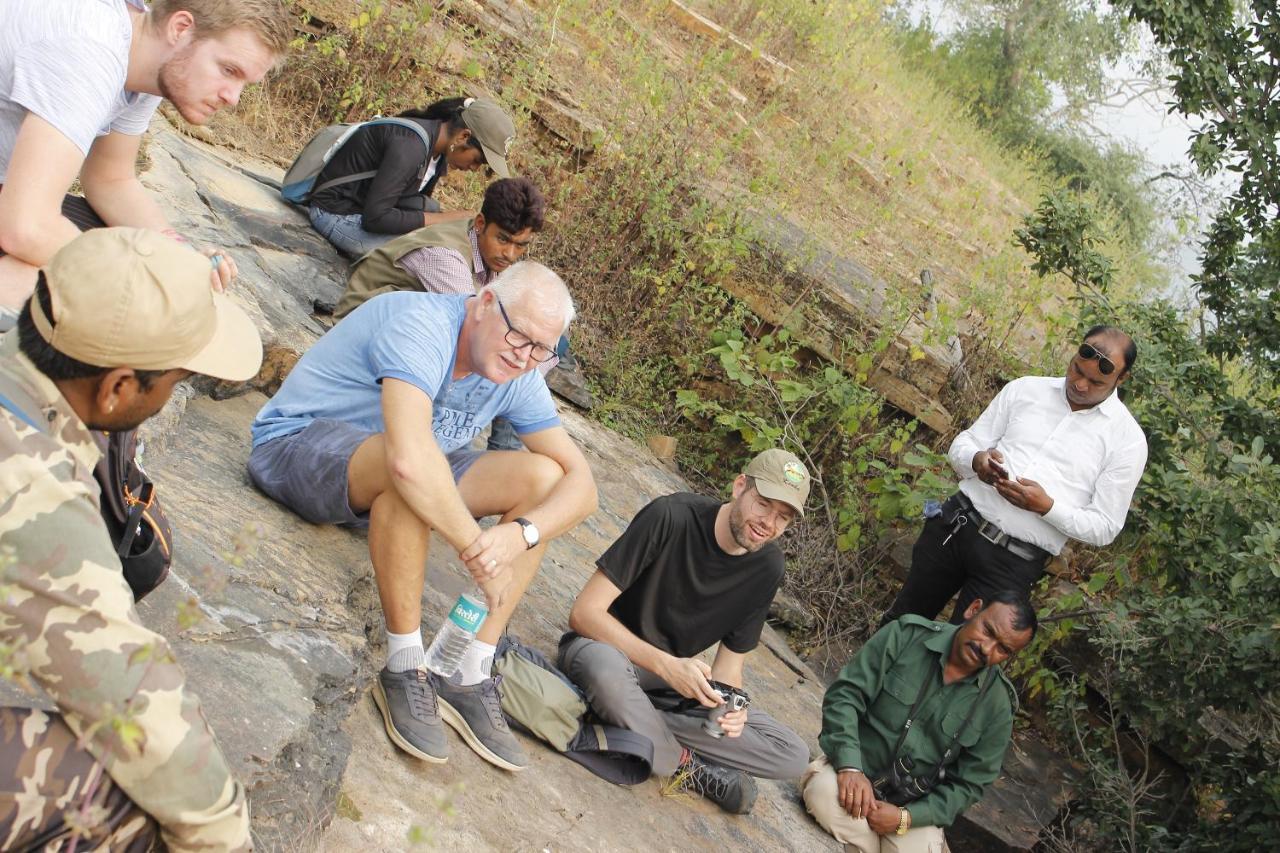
<point x="455" y="635"/>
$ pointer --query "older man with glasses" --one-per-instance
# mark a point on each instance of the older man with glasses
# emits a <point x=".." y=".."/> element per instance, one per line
<point x="1050" y="459"/>
<point x="345" y="442"/>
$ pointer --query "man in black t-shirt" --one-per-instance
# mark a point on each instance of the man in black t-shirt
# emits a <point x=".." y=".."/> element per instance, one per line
<point x="688" y="573"/>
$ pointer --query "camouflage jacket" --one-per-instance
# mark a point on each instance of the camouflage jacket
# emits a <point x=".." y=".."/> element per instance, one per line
<point x="67" y="611"/>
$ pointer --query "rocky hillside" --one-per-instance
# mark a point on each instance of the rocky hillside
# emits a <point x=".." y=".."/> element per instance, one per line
<point x="278" y="625"/>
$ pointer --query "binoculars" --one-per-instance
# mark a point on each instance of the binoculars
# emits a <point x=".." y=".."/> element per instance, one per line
<point x="900" y="786"/>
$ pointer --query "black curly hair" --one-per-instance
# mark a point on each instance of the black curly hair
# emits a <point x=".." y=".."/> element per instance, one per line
<point x="514" y="204"/>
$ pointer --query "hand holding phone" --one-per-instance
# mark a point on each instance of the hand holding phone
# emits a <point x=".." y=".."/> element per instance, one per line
<point x="989" y="466"/>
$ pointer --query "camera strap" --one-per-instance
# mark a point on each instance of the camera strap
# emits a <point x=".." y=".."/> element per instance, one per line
<point x="911" y="716"/>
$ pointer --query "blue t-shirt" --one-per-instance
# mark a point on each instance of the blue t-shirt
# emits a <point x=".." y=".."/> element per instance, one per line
<point x="412" y="337"/>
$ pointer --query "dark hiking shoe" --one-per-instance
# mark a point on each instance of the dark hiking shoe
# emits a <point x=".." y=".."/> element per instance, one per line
<point x="474" y="711"/>
<point x="411" y="714"/>
<point x="730" y="789"/>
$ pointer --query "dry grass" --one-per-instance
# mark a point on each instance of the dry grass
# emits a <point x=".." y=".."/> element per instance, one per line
<point x="868" y="155"/>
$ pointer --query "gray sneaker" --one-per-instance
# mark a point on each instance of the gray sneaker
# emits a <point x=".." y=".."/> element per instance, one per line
<point x="474" y="711"/>
<point x="410" y="713"/>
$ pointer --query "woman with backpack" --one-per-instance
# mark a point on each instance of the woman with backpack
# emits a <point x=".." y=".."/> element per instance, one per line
<point x="378" y="185"/>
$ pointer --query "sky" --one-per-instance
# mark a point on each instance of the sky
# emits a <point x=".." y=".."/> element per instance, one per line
<point x="1146" y="124"/>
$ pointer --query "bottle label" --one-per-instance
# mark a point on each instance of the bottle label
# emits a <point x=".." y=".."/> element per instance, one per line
<point x="468" y="615"/>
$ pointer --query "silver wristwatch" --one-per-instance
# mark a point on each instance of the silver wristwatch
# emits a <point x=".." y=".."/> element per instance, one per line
<point x="530" y="533"/>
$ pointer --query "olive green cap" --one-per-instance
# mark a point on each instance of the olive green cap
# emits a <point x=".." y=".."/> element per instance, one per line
<point x="780" y="476"/>
<point x="493" y="129"/>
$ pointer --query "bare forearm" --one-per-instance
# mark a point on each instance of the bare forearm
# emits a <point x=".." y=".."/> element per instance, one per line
<point x="601" y="625"/>
<point x="727" y="672"/>
<point x="423" y="478"/>
<point x="34" y="242"/>
<point x="125" y="202"/>
<point x="568" y="503"/>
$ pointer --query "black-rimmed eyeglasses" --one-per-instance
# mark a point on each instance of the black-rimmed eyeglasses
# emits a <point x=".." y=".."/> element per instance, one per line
<point x="519" y="340"/>
<point x="1088" y="351"/>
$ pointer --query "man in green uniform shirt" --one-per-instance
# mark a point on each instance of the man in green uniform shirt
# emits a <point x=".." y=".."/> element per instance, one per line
<point x="927" y="695"/>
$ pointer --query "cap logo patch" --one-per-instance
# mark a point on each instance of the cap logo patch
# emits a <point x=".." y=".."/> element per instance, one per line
<point x="793" y="473"/>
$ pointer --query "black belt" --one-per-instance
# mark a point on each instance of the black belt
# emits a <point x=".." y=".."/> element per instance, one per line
<point x="992" y="533"/>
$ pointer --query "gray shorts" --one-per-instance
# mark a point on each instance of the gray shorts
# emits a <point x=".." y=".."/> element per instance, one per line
<point x="307" y="470"/>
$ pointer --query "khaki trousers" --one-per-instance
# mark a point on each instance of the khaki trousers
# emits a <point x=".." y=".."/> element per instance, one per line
<point x="818" y="786"/>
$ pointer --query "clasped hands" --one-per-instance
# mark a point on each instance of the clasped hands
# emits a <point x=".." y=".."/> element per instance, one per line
<point x="488" y="559"/>
<point x="858" y="798"/>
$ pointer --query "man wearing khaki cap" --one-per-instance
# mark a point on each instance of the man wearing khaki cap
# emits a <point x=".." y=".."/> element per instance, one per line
<point x="688" y="573"/>
<point x="119" y="316"/>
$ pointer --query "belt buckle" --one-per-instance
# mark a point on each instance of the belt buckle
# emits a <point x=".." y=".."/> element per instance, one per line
<point x="998" y="539"/>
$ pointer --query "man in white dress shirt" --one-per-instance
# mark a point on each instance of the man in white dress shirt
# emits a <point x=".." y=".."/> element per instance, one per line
<point x="1050" y="459"/>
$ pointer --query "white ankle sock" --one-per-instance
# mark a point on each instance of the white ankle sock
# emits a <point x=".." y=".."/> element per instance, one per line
<point x="405" y="651"/>
<point x="476" y="662"/>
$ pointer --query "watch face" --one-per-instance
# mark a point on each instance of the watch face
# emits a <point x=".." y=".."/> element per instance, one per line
<point x="529" y="532"/>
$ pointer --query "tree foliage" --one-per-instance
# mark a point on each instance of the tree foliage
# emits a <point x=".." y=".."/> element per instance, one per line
<point x="1186" y="603"/>
<point x="1226" y="61"/>
<point x="1014" y="63"/>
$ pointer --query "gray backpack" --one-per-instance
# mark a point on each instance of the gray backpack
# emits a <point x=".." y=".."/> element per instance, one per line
<point x="299" y="181"/>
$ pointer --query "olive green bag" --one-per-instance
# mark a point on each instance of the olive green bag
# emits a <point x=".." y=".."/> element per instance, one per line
<point x="541" y="700"/>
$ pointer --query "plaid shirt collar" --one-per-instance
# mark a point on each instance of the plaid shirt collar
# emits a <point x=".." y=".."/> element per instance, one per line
<point x="478" y="268"/>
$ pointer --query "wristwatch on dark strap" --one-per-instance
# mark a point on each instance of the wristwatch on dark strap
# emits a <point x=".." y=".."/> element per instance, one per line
<point x="530" y="533"/>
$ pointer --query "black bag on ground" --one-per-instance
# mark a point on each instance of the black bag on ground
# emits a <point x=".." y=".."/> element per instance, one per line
<point x="132" y="512"/>
<point x="541" y="700"/>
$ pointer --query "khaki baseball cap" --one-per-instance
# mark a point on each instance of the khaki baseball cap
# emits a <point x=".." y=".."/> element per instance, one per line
<point x="493" y="129"/>
<point x="780" y="476"/>
<point x="126" y="297"/>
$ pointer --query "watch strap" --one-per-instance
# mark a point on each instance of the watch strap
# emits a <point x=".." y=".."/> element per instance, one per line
<point x="525" y="526"/>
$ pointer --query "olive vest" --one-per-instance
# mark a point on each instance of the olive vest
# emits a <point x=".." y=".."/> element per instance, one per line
<point x="377" y="271"/>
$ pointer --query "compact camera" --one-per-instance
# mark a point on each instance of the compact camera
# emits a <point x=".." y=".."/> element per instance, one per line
<point x="735" y="699"/>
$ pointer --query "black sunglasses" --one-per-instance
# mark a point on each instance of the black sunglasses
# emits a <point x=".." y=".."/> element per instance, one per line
<point x="1105" y="365"/>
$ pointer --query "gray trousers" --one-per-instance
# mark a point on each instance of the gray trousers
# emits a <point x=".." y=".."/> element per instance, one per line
<point x="616" y="690"/>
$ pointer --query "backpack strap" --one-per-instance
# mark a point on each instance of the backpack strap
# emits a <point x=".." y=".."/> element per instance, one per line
<point x="345" y="179"/>
<point x="360" y="176"/>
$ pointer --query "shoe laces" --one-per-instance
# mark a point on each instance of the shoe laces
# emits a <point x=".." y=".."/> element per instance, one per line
<point x="493" y="702"/>
<point x="421" y="695"/>
<point x="707" y="781"/>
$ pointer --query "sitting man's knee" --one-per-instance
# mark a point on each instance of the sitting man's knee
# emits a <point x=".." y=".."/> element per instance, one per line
<point x="596" y="663"/>
<point x="795" y="756"/>
<point x="818" y="788"/>
<point x="542" y="474"/>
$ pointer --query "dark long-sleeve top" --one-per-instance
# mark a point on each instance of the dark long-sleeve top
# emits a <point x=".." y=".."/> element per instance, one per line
<point x="864" y="710"/>
<point x="390" y="202"/>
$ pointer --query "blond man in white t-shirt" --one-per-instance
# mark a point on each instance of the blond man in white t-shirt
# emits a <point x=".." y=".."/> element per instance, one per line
<point x="79" y="82"/>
